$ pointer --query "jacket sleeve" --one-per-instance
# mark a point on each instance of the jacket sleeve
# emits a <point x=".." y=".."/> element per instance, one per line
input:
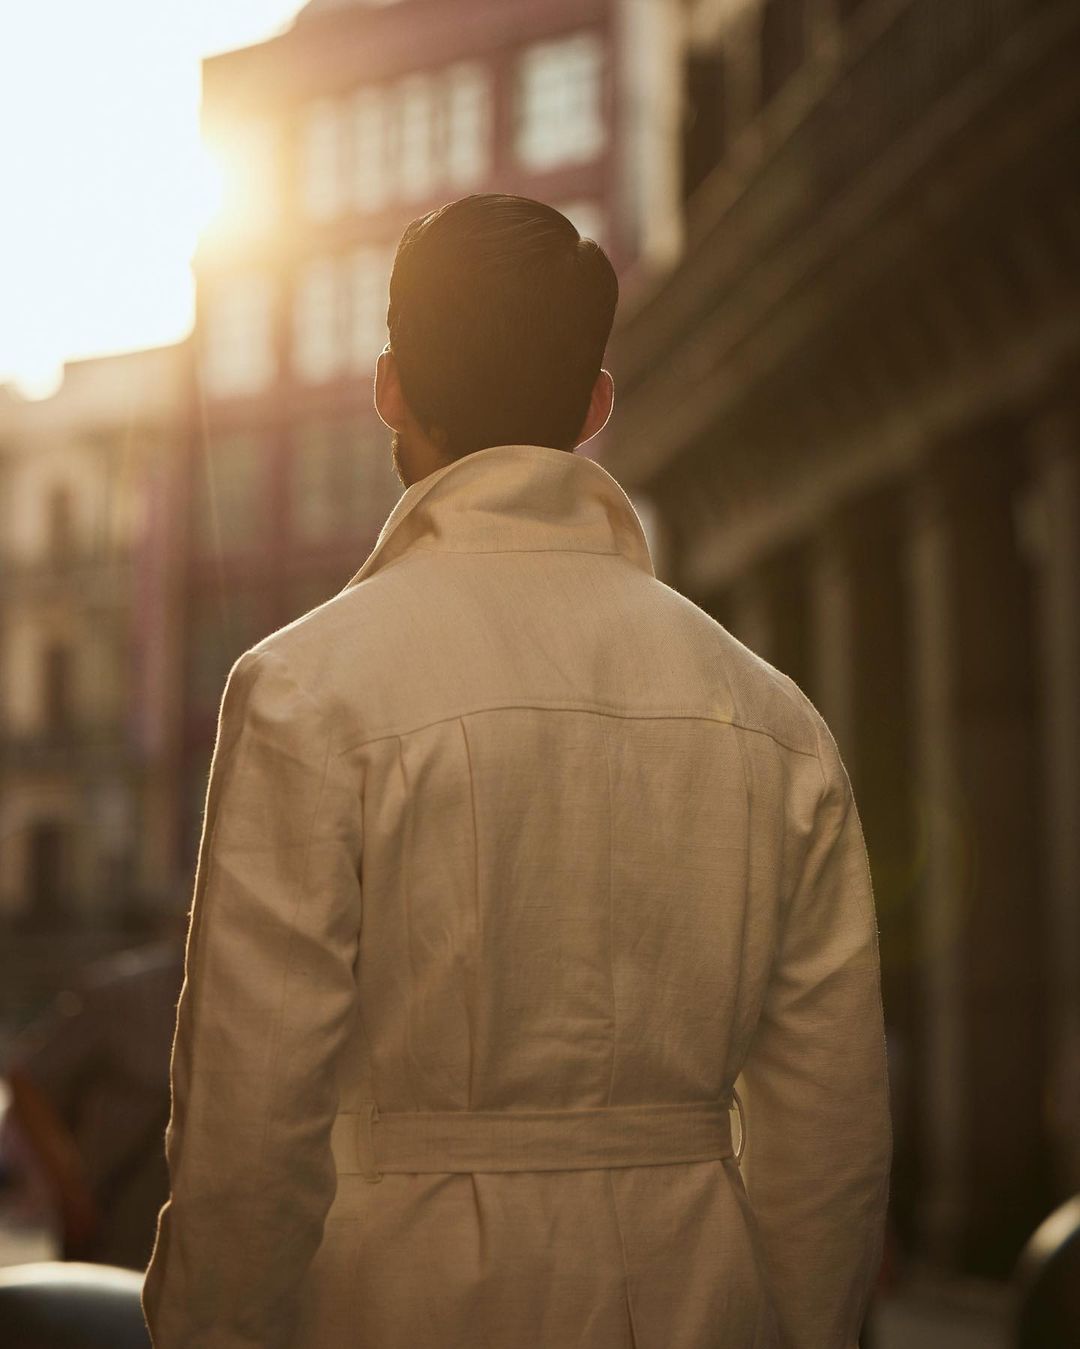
<point x="269" y="986"/>
<point x="815" y="1086"/>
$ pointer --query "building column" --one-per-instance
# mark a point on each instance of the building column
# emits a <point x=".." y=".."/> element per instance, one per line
<point x="940" y="885"/>
<point x="650" y="44"/>
<point x="1055" y="458"/>
<point x="863" y="688"/>
<point x="983" y="909"/>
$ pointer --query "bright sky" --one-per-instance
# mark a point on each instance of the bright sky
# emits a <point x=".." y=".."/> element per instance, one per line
<point x="105" y="183"/>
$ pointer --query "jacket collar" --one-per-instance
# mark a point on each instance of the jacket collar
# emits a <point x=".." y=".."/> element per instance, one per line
<point x="512" y="498"/>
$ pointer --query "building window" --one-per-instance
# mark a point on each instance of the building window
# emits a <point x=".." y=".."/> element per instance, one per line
<point x="587" y="217"/>
<point x="559" y="109"/>
<point x="47" y="869"/>
<point x="783" y="43"/>
<point x="220" y="633"/>
<point x="374" y="486"/>
<point x="61" y="524"/>
<point x="416" y="136"/>
<point x="318" y="479"/>
<point x="342" y="481"/>
<point x="231" y="494"/>
<point x="370" y="149"/>
<point x="321" y="159"/>
<point x="56" y="686"/>
<point x="703" y="135"/>
<point x="468" y="124"/>
<point x="340" y="315"/>
<point x="407" y="138"/>
<point x="318" y="321"/>
<point x="369" y="277"/>
<point x="250" y="193"/>
<point x="237" y="334"/>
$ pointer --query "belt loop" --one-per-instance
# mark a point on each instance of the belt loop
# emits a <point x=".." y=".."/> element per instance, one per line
<point x="742" y="1124"/>
<point x="366" y="1143"/>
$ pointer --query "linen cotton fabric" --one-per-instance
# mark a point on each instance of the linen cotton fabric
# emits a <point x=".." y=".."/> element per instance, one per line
<point x="508" y="824"/>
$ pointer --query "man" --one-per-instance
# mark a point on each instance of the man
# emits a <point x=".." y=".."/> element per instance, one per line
<point x="513" y="861"/>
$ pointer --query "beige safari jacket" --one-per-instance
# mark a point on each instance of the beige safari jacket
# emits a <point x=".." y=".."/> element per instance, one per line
<point x="515" y="865"/>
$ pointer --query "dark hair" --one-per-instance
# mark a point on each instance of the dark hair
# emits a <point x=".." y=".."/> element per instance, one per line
<point x="499" y="315"/>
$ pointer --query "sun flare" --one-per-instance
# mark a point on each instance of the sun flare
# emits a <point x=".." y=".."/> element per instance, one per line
<point x="108" y="183"/>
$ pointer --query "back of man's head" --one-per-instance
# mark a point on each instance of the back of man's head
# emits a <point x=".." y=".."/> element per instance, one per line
<point x="499" y="316"/>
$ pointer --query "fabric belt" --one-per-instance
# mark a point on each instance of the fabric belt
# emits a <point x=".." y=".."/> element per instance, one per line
<point x="368" y="1142"/>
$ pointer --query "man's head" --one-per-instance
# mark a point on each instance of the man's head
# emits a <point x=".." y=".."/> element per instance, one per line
<point x="499" y="316"/>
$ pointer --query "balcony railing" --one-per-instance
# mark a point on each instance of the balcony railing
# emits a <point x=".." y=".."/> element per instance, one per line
<point x="92" y="576"/>
<point x="99" y="744"/>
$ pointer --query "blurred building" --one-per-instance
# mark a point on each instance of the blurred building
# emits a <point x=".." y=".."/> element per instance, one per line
<point x="87" y="663"/>
<point x="854" y="405"/>
<point x="332" y="137"/>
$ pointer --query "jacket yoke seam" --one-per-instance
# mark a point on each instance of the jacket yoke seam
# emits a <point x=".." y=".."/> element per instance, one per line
<point x="556" y="706"/>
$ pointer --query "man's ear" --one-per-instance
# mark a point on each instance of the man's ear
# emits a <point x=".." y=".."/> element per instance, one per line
<point x="601" y="402"/>
<point x="389" y="399"/>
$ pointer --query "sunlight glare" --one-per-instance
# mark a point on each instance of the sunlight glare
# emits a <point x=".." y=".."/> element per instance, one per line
<point x="237" y="187"/>
<point x="107" y="182"/>
<point x="208" y="189"/>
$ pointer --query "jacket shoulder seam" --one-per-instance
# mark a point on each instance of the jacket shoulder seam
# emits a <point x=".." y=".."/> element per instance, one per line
<point x="354" y="745"/>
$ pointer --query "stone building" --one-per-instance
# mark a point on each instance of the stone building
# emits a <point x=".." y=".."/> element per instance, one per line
<point x="853" y="404"/>
<point x="87" y="661"/>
